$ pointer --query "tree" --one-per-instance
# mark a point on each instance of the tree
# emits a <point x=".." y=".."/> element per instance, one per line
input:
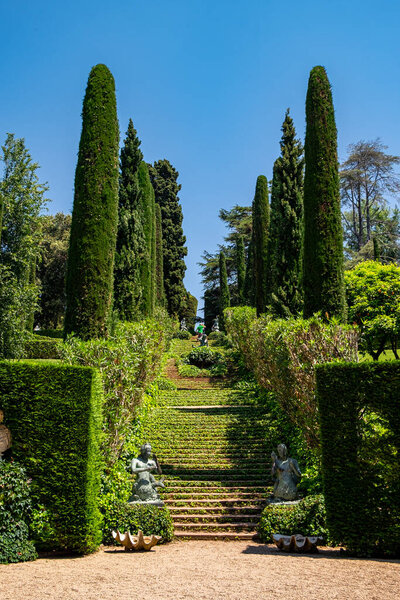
<point x="130" y="245"/>
<point x="249" y="279"/>
<point x="286" y="228"/>
<point x="323" y="241"/>
<point x="160" y="293"/>
<point x="224" y="297"/>
<point x="373" y="295"/>
<point x="240" y="269"/>
<point x="239" y="221"/>
<point x="164" y="179"/>
<point x="147" y="263"/>
<point x="260" y="229"/>
<point x="51" y="270"/>
<point x="367" y="177"/>
<point x="89" y="282"/>
<point x="189" y="312"/>
<point x="211" y="306"/>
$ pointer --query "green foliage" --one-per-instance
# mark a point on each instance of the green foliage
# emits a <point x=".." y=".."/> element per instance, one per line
<point x="203" y="357"/>
<point x="54" y="414"/>
<point x="286" y="230"/>
<point x="360" y="433"/>
<point x="308" y="517"/>
<point x="182" y="335"/>
<point x="95" y="212"/>
<point x="147" y="263"/>
<point x="189" y="310"/>
<point x="164" y="179"/>
<point x="260" y="248"/>
<point x="15" y="505"/>
<point x="166" y="384"/>
<point x="323" y="241"/>
<point x="159" y="277"/>
<point x="43" y="348"/>
<point x="224" y="295"/>
<point x="283" y="353"/>
<point x="240" y="269"/>
<point x="211" y="306"/>
<point x="128" y="361"/>
<point x="50" y="333"/>
<point x="152" y="520"/>
<point x="373" y="296"/>
<point x="51" y="269"/>
<point x="249" y="280"/>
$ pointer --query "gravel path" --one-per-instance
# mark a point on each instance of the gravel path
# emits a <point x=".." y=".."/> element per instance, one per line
<point x="202" y="570"/>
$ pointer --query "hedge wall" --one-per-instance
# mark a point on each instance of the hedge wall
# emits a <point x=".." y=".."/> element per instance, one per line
<point x="54" y="413"/>
<point x="359" y="408"/>
<point x="43" y="348"/>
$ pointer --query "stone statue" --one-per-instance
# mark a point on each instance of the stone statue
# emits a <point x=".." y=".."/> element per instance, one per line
<point x="5" y="436"/>
<point x="144" y="488"/>
<point x="286" y="474"/>
<point x="183" y="325"/>
<point x="215" y="325"/>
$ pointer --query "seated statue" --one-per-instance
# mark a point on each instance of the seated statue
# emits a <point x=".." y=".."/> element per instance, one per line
<point x="144" y="488"/>
<point x="286" y="474"/>
<point x="215" y="325"/>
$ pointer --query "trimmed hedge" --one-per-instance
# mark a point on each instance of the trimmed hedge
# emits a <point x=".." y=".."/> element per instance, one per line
<point x="50" y="333"/>
<point x="149" y="518"/>
<point x="359" y="407"/>
<point x="54" y="413"/>
<point x="43" y="348"/>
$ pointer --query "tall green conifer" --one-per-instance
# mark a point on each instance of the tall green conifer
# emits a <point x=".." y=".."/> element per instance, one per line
<point x="164" y="179"/>
<point x="224" y="296"/>
<point x="286" y="228"/>
<point x="323" y="240"/>
<point x="147" y="267"/>
<point x="89" y="281"/>
<point x="160" y="294"/>
<point x="240" y="268"/>
<point x="260" y="232"/>
<point x="130" y="249"/>
<point x="249" y="279"/>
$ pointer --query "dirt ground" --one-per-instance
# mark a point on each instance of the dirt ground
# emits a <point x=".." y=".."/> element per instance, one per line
<point x="202" y="570"/>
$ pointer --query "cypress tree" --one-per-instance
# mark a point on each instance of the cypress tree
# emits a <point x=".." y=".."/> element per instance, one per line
<point x="164" y="179"/>
<point x="159" y="279"/>
<point x="260" y="230"/>
<point x="211" y="306"/>
<point x="224" y="296"/>
<point x="89" y="280"/>
<point x="323" y="278"/>
<point x="130" y="238"/>
<point x="240" y="268"/>
<point x="147" y="266"/>
<point x="286" y="227"/>
<point x="249" y="279"/>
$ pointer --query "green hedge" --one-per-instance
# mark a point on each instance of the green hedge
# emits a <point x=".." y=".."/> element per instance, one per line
<point x="359" y="408"/>
<point x="43" y="348"/>
<point x="50" y="333"/>
<point x="150" y="519"/>
<point x="54" y="413"/>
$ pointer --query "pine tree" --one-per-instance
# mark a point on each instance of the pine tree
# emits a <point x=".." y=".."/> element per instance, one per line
<point x="159" y="279"/>
<point x="240" y="268"/>
<point x="286" y="227"/>
<point x="323" y="278"/>
<point x="89" y="281"/>
<point x="130" y="238"/>
<point x="164" y="179"/>
<point x="260" y="229"/>
<point x="224" y="296"/>
<point x="147" y="267"/>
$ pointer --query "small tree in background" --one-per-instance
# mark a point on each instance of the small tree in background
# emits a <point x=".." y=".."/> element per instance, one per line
<point x="260" y="231"/>
<point x="95" y="211"/>
<point x="224" y="297"/>
<point x="286" y="229"/>
<point x="323" y="240"/>
<point x="240" y="268"/>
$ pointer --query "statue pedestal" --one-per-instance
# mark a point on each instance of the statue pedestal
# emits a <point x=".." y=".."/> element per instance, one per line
<point x="146" y="502"/>
<point x="277" y="502"/>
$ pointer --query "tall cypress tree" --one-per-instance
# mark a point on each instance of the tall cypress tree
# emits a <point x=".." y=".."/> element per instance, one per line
<point x="147" y="267"/>
<point x="130" y="238"/>
<point x="323" y="278"/>
<point x="89" y="280"/>
<point x="159" y="279"/>
<point x="224" y="296"/>
<point x="249" y="279"/>
<point x="240" y="268"/>
<point x="260" y="230"/>
<point x="286" y="227"/>
<point x="164" y="179"/>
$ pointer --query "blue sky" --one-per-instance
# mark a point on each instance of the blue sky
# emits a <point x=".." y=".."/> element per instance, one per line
<point x="206" y="84"/>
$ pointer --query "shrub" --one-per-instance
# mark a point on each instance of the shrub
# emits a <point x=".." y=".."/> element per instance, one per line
<point x="360" y="433"/>
<point x="219" y="338"/>
<point x="50" y="333"/>
<point x="192" y="371"/>
<point x="152" y="520"/>
<point x="14" y="508"/>
<point x="305" y="518"/>
<point x="43" y="348"/>
<point x="166" y="384"/>
<point x="203" y="357"/>
<point x="182" y="335"/>
<point x="54" y="414"/>
<point x="283" y="354"/>
<point x="128" y="361"/>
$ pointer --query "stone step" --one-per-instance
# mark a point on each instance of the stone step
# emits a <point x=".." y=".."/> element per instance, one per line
<point x="210" y="535"/>
<point x="217" y="510"/>
<point x="217" y="502"/>
<point x="202" y="519"/>
<point x="227" y="484"/>
<point x="228" y="527"/>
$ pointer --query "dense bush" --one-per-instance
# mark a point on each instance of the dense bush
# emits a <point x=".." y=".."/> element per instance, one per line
<point x="182" y="335"/>
<point x="15" y="505"/>
<point x="50" y="333"/>
<point x="54" y="414"/>
<point x="43" y="348"/>
<point x="203" y="357"/>
<point x="129" y="361"/>
<point x="219" y="338"/>
<point x="283" y="354"/>
<point x="360" y="433"/>
<point x="305" y="518"/>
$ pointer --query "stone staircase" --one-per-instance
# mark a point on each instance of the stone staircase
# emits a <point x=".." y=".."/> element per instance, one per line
<point x="215" y="460"/>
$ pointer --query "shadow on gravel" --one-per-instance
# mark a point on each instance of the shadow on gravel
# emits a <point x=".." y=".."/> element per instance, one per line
<point x="323" y="552"/>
